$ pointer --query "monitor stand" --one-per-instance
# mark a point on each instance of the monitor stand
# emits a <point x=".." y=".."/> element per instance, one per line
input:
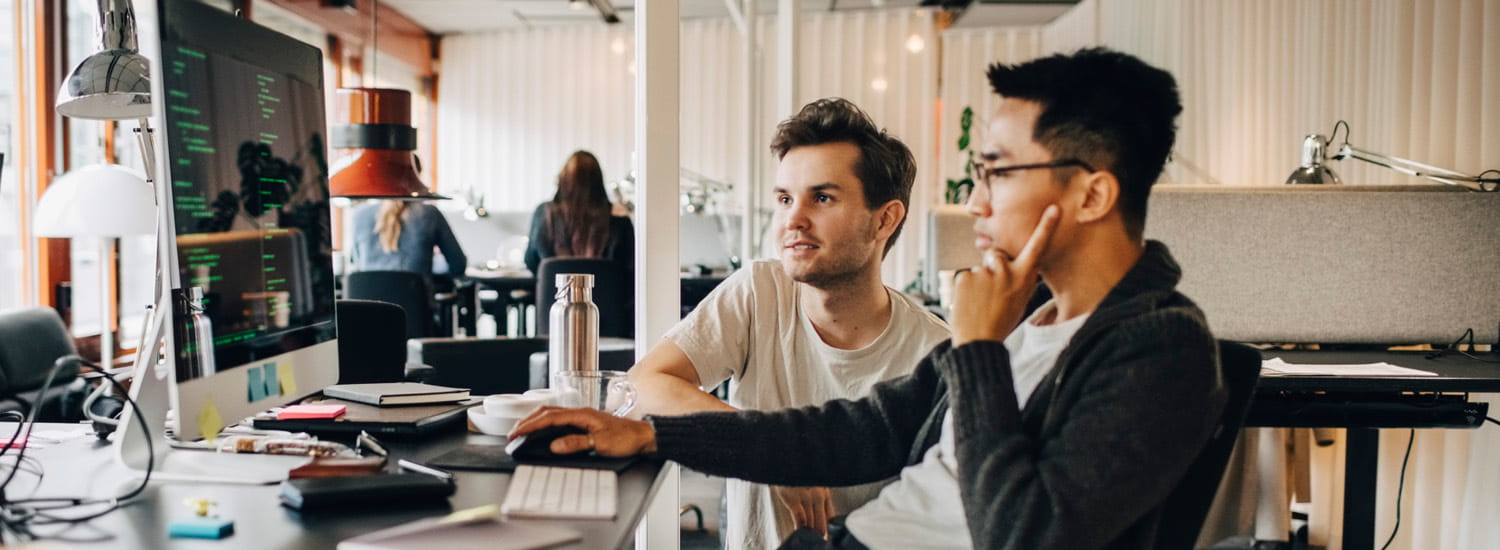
<point x="167" y="459"/>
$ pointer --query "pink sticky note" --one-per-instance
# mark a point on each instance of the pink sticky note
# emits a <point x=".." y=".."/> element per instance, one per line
<point x="310" y="411"/>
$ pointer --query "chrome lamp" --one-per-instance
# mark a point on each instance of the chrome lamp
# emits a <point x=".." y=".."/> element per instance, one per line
<point x="1314" y="169"/>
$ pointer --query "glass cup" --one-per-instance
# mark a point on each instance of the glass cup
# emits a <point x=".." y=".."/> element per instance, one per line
<point x="606" y="391"/>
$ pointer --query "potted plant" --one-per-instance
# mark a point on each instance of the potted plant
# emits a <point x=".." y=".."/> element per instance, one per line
<point x="958" y="190"/>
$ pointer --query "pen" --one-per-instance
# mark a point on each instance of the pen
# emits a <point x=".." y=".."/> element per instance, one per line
<point x="409" y="465"/>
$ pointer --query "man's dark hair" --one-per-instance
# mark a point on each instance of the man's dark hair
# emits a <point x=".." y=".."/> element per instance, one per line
<point x="1106" y="108"/>
<point x="885" y="168"/>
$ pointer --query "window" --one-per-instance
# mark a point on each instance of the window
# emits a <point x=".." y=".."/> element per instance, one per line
<point x="12" y="295"/>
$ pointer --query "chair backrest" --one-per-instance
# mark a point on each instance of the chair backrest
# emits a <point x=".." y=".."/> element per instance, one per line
<point x="31" y="339"/>
<point x="1187" y="505"/>
<point x="614" y="293"/>
<point x="372" y="342"/>
<point x="407" y="289"/>
<point x="484" y="365"/>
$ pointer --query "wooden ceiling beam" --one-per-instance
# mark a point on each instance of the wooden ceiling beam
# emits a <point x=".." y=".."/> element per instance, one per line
<point x="399" y="36"/>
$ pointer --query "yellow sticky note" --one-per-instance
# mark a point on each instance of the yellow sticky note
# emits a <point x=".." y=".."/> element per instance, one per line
<point x="288" y="382"/>
<point x="209" y="420"/>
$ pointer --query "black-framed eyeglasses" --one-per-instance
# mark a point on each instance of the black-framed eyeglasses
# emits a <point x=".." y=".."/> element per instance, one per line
<point x="984" y="174"/>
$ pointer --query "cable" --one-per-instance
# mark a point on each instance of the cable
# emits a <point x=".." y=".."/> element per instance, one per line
<point x="20" y="515"/>
<point x="1457" y="347"/>
<point x="1492" y="420"/>
<point x="1400" y="487"/>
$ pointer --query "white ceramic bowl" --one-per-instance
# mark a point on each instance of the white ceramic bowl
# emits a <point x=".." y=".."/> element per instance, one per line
<point x="489" y="424"/>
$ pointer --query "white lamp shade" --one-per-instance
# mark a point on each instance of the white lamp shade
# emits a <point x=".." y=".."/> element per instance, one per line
<point x="103" y="200"/>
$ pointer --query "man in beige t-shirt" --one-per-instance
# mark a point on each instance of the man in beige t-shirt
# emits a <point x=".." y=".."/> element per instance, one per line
<point x="815" y="325"/>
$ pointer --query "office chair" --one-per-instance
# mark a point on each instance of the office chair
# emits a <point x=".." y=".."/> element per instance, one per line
<point x="372" y="341"/>
<point x="31" y="339"/>
<point x="410" y="290"/>
<point x="1187" y="505"/>
<point x="614" y="293"/>
<point x="484" y="365"/>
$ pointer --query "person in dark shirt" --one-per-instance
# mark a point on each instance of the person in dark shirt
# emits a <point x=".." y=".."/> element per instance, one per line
<point x="577" y="222"/>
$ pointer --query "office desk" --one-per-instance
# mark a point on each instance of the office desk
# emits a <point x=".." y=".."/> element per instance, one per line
<point x="86" y="467"/>
<point x="1362" y="405"/>
<point x="694" y="288"/>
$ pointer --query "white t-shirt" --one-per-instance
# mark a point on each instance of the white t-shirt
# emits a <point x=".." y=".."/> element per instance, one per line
<point x="751" y="330"/>
<point x="923" y="508"/>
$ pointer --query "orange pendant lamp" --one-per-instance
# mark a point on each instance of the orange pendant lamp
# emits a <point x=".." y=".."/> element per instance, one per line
<point x="379" y="139"/>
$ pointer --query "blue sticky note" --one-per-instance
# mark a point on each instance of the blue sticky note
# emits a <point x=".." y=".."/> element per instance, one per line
<point x="269" y="377"/>
<point x="256" y="384"/>
<point x="200" y="528"/>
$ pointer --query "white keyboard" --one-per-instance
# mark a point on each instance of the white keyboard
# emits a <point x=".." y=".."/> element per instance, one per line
<point x="560" y="493"/>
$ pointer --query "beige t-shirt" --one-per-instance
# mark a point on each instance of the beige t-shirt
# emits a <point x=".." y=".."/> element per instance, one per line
<point x="751" y="330"/>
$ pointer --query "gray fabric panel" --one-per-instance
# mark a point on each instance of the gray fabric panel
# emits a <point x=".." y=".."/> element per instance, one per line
<point x="1350" y="264"/>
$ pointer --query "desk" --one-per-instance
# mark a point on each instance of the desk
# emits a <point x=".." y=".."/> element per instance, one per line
<point x="1362" y="405"/>
<point x="86" y="467"/>
<point x="694" y="289"/>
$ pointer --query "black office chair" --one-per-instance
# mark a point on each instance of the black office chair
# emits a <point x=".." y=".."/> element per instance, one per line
<point x="484" y="365"/>
<point x="614" y="293"/>
<point x="31" y="340"/>
<point x="1187" y="505"/>
<point x="408" y="289"/>
<point x="372" y="342"/>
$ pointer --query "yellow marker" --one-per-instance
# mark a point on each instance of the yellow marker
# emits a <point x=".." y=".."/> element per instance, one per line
<point x="209" y="420"/>
<point x="472" y="514"/>
<point x="284" y="376"/>
<point x="201" y="506"/>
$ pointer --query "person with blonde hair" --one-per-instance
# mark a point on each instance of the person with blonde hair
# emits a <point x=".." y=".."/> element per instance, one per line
<point x="392" y="235"/>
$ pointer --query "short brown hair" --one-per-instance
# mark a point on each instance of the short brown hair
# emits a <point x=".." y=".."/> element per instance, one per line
<point x="885" y="168"/>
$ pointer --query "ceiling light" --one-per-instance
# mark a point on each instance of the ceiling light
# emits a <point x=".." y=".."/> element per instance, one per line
<point x="915" y="43"/>
<point x="879" y="84"/>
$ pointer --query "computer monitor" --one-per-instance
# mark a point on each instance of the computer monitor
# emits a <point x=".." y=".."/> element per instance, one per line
<point x="243" y="178"/>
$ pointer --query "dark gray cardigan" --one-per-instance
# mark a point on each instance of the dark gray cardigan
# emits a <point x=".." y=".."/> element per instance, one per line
<point x="1087" y="463"/>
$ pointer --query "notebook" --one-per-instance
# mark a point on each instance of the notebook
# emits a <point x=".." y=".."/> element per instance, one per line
<point x="396" y="393"/>
<point x="398" y="421"/>
<point x="457" y="532"/>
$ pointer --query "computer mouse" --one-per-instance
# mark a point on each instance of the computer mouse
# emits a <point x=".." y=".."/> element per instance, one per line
<point x="538" y="444"/>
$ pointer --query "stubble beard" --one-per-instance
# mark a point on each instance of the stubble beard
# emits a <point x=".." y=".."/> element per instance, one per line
<point x="837" y="270"/>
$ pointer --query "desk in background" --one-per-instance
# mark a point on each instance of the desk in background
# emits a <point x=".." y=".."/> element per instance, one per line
<point x="86" y="467"/>
<point x="1363" y="405"/>
<point x="506" y="281"/>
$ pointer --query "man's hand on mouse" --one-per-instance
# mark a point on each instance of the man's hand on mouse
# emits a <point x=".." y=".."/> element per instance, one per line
<point x="608" y="435"/>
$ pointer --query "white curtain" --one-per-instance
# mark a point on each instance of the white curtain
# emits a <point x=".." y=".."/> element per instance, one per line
<point x="514" y="104"/>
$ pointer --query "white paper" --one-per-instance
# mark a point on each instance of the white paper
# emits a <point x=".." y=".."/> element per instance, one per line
<point x="1276" y="367"/>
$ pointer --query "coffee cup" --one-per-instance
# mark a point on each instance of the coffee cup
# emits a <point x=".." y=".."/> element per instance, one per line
<point x="512" y="405"/>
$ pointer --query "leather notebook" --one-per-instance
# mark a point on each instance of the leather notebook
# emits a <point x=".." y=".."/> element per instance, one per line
<point x="322" y="493"/>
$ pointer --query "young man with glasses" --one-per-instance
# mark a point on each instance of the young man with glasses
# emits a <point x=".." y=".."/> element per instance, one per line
<point x="813" y="325"/>
<point x="1067" y="428"/>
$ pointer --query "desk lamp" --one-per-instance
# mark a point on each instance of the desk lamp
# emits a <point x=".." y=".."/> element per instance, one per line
<point x="1315" y="152"/>
<point x="103" y="201"/>
<point x="113" y="83"/>
<point x="106" y="201"/>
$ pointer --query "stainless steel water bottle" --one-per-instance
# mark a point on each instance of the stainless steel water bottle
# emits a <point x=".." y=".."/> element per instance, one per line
<point x="202" y="333"/>
<point x="573" y="337"/>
